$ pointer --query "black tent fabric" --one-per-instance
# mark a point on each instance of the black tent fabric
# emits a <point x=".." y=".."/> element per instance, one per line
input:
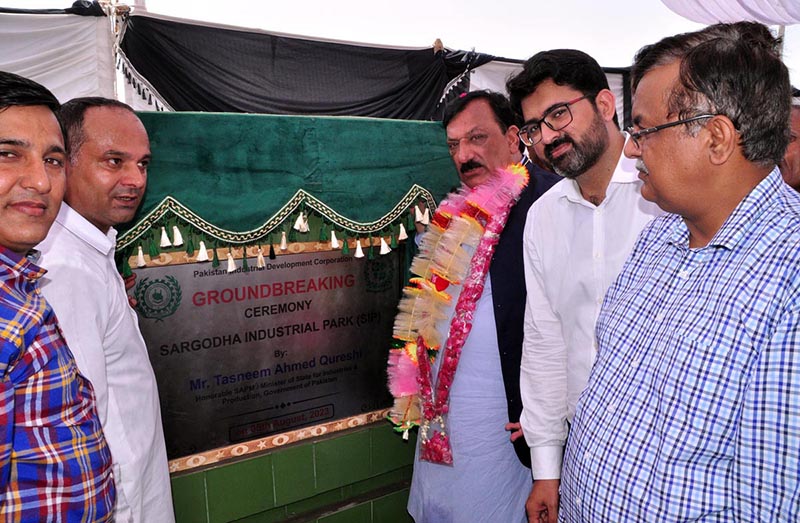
<point x="80" y="7"/>
<point x="203" y="68"/>
<point x="458" y="63"/>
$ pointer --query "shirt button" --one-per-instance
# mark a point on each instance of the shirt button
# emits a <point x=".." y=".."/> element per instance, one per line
<point x="660" y="316"/>
<point x="587" y="456"/>
<point x="612" y="408"/>
<point x="683" y="274"/>
<point x="597" y="256"/>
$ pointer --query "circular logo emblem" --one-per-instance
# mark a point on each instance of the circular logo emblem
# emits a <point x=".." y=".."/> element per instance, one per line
<point x="157" y="299"/>
<point x="379" y="274"/>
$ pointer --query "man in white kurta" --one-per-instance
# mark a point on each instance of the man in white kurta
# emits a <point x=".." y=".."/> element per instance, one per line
<point x="106" y="177"/>
<point x="577" y="237"/>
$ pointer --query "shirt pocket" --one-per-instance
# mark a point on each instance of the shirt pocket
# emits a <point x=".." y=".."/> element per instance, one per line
<point x="700" y="397"/>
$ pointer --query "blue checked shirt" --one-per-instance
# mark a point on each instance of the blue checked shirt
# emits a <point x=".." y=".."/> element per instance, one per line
<point x="692" y="410"/>
<point x="54" y="462"/>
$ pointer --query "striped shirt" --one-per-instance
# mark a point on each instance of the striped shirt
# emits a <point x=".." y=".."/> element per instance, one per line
<point x="692" y="411"/>
<point x="54" y="462"/>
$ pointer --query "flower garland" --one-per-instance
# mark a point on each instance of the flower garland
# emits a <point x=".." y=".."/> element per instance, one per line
<point x="467" y="219"/>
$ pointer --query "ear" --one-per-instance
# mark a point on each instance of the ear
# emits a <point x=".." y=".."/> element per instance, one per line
<point x="606" y="104"/>
<point x="722" y="140"/>
<point x="512" y="137"/>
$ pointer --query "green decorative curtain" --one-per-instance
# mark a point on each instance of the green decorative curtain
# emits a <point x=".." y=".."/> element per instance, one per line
<point x="242" y="179"/>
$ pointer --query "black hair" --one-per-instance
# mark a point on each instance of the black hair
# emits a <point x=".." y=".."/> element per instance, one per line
<point x="568" y="67"/>
<point x="733" y="70"/>
<point x="16" y="90"/>
<point x="503" y="114"/>
<point x="72" y="114"/>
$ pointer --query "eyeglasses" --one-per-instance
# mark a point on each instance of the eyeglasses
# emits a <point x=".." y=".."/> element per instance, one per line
<point x="636" y="136"/>
<point x="556" y="119"/>
<point x="477" y="139"/>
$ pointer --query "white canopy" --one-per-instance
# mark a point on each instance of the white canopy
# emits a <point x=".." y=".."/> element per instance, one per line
<point x="771" y="12"/>
<point x="71" y="55"/>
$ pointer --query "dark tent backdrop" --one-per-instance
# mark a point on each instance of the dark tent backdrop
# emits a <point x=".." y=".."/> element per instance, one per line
<point x="190" y="66"/>
<point x="202" y="68"/>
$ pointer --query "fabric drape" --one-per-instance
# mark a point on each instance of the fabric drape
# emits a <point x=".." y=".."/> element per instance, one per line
<point x="772" y="12"/>
<point x="70" y="55"/>
<point x="207" y="68"/>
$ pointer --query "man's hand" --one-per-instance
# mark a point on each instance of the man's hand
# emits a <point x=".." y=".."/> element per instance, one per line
<point x="130" y="283"/>
<point x="542" y="504"/>
<point x="516" y="431"/>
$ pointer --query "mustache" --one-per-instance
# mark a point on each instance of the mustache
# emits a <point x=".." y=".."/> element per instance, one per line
<point x="548" y="149"/>
<point x="127" y="192"/>
<point x="641" y="167"/>
<point x="469" y="166"/>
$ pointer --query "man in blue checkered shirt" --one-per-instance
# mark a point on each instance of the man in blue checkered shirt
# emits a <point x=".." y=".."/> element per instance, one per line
<point x="692" y="410"/>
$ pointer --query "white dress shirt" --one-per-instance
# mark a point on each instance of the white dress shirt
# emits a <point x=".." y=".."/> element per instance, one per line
<point x="573" y="251"/>
<point x="102" y="331"/>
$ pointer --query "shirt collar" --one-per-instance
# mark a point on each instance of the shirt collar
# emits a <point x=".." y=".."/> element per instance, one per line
<point x="763" y="196"/>
<point x="19" y="265"/>
<point x="526" y="161"/>
<point x="749" y="210"/>
<point x="71" y="220"/>
<point x="624" y="172"/>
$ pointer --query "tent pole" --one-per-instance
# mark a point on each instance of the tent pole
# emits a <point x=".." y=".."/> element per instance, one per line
<point x="781" y="34"/>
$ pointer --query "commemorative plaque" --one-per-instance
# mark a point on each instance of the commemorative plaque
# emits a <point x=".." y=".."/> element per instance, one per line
<point x="262" y="350"/>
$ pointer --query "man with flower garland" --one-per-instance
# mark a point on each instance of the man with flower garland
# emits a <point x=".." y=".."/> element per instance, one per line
<point x="488" y="479"/>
